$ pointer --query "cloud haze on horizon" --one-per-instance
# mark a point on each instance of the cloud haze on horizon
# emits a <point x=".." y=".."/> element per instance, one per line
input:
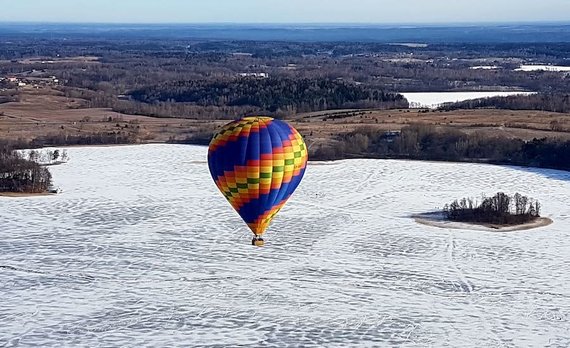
<point x="290" y="11"/>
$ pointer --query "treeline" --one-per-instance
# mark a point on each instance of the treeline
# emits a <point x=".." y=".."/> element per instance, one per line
<point x="84" y="139"/>
<point x="18" y="174"/>
<point x="500" y="209"/>
<point x="555" y="102"/>
<point x="184" y="110"/>
<point x="271" y="94"/>
<point x="63" y="139"/>
<point x="427" y="142"/>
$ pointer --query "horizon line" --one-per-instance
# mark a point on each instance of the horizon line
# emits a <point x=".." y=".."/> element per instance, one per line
<point x="450" y="23"/>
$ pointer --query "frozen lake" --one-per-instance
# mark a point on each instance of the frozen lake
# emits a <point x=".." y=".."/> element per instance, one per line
<point x="436" y="99"/>
<point x="543" y="68"/>
<point x="141" y="250"/>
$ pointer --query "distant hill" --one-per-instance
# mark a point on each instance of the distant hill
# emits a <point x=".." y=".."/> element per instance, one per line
<point x="473" y="33"/>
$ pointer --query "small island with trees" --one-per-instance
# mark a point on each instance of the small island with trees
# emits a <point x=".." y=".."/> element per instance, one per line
<point x="500" y="212"/>
<point x="26" y="174"/>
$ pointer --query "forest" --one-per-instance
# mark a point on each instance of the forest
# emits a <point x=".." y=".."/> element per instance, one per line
<point x="192" y="78"/>
<point x="273" y="95"/>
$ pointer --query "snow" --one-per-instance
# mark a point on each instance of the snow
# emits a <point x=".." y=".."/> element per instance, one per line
<point x="141" y="250"/>
<point x="435" y="99"/>
<point x="543" y="68"/>
<point x="484" y="67"/>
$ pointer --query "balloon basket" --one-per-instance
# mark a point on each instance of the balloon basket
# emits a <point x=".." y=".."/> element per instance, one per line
<point x="258" y="242"/>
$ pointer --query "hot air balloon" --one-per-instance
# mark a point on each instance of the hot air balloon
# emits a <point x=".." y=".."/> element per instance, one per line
<point x="257" y="163"/>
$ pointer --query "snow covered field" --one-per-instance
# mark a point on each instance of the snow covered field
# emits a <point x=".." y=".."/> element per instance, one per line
<point x="436" y="99"/>
<point x="543" y="68"/>
<point x="142" y="251"/>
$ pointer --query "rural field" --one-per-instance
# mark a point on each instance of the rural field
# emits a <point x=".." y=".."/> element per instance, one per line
<point x="46" y="112"/>
<point x="142" y="250"/>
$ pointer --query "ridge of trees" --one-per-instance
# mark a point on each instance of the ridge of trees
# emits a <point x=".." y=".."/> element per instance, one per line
<point x="271" y="94"/>
<point x="555" y="102"/>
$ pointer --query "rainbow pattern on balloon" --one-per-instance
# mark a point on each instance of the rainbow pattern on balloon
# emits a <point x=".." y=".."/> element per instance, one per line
<point x="257" y="163"/>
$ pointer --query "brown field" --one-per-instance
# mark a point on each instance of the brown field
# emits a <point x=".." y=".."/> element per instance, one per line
<point x="23" y="194"/>
<point x="46" y="112"/>
<point x="44" y="60"/>
<point x="320" y="127"/>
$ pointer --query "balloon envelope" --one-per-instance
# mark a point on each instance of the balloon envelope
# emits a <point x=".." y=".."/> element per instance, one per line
<point x="257" y="163"/>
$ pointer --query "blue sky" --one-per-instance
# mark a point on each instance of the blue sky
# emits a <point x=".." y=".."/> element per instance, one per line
<point x="284" y="11"/>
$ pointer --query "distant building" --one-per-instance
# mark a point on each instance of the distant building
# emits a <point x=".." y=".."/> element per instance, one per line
<point x="256" y="74"/>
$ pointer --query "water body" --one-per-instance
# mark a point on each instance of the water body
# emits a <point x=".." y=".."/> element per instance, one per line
<point x="141" y="250"/>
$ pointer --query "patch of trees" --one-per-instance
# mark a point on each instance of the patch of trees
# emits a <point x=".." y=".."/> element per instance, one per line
<point x="48" y="157"/>
<point x="555" y="102"/>
<point x="500" y="209"/>
<point x="427" y="142"/>
<point x="18" y="174"/>
<point x="7" y="96"/>
<point x="198" y="138"/>
<point x="271" y="94"/>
